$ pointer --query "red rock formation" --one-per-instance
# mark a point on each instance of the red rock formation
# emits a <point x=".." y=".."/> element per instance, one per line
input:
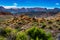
<point x="5" y="13"/>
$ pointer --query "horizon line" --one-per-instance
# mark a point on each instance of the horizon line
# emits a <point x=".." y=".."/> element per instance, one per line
<point x="8" y="7"/>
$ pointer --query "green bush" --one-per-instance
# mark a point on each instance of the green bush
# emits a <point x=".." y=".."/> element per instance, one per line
<point x="21" y="36"/>
<point x="8" y="30"/>
<point x="2" y="32"/>
<point x="12" y="35"/>
<point x="36" y="33"/>
<point x="2" y="38"/>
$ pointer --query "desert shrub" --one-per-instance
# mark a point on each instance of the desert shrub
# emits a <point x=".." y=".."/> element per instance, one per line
<point x="34" y="20"/>
<point x="2" y="38"/>
<point x="8" y="30"/>
<point x="2" y="32"/>
<point x="51" y="28"/>
<point x="12" y="35"/>
<point x="43" y="25"/>
<point x="17" y="27"/>
<point x="55" y="26"/>
<point x="58" y="22"/>
<point x="50" y="22"/>
<point x="21" y="36"/>
<point x="36" y="33"/>
<point x="14" y="31"/>
<point x="59" y="29"/>
<point x="35" y="24"/>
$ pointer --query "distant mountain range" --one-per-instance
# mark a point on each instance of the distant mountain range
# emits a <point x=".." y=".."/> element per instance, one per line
<point x="19" y="10"/>
<point x="39" y="12"/>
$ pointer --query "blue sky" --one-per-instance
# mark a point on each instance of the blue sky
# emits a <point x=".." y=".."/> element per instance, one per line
<point x="30" y="3"/>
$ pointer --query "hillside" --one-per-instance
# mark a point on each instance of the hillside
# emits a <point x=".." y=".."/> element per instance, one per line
<point x="34" y="25"/>
<point x="23" y="22"/>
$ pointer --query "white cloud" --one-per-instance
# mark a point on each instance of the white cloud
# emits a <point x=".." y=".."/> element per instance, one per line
<point x="57" y="4"/>
<point x="7" y="7"/>
<point x="12" y="6"/>
<point x="15" y="4"/>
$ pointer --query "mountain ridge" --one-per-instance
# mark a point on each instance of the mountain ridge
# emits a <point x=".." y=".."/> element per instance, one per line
<point x="18" y="10"/>
<point x="38" y="12"/>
